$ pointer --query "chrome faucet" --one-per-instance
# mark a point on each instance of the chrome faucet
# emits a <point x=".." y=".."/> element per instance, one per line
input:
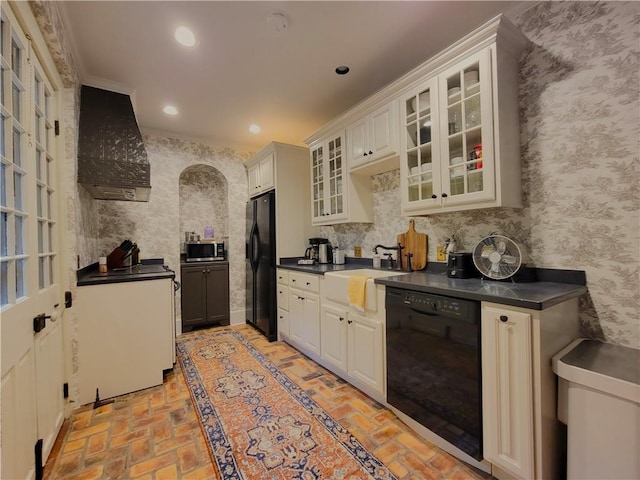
<point x="398" y="248"/>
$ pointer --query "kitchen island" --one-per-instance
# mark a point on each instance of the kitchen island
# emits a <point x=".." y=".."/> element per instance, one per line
<point x="126" y="329"/>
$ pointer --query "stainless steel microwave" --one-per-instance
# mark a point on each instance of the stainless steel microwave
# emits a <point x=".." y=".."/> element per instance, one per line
<point x="204" y="251"/>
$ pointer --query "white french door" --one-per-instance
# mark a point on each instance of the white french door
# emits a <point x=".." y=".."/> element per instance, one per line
<point x="32" y="365"/>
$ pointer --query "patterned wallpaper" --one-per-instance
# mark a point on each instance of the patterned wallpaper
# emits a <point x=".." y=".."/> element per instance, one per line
<point x="580" y="130"/>
<point x="179" y="171"/>
<point x="203" y="201"/>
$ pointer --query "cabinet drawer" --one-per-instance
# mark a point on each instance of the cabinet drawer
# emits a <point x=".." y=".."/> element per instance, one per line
<point x="282" y="292"/>
<point x="304" y="281"/>
<point x="283" y="276"/>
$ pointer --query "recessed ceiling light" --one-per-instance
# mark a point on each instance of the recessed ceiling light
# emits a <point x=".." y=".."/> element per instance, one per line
<point x="254" y="128"/>
<point x="170" y="110"/>
<point x="185" y="37"/>
<point x="342" y="70"/>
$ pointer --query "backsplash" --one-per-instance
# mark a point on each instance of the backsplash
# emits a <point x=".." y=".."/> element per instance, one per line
<point x="580" y="122"/>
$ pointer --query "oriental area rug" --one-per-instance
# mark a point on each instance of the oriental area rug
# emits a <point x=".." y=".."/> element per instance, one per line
<point x="258" y="423"/>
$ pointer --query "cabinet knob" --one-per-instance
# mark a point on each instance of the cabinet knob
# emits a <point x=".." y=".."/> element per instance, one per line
<point x="349" y="322"/>
<point x="364" y="154"/>
<point x="434" y="196"/>
<point x="444" y="195"/>
<point x="341" y="318"/>
<point x="293" y="280"/>
<point x="370" y="152"/>
<point x="308" y="283"/>
<point x="504" y="318"/>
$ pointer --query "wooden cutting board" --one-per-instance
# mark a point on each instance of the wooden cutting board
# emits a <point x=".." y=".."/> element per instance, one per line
<point x="416" y="244"/>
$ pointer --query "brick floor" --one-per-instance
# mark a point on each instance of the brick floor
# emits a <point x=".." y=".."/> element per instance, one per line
<point x="154" y="434"/>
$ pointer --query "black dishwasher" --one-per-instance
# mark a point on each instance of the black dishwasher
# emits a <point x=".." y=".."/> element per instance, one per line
<point x="434" y="366"/>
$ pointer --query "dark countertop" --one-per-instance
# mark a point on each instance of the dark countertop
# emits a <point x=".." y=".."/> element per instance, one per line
<point x="531" y="295"/>
<point x="321" y="269"/>
<point x="90" y="275"/>
<point x="534" y="295"/>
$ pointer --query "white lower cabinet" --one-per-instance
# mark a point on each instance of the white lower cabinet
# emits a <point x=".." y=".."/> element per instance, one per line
<point x="365" y="353"/>
<point x="507" y="390"/>
<point x="333" y="325"/>
<point x="112" y="335"/>
<point x="352" y="346"/>
<point x="521" y="433"/>
<point x="304" y="324"/>
<point x="283" y="324"/>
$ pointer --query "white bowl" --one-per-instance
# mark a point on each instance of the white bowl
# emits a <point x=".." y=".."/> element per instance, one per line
<point x="456" y="160"/>
<point x="471" y="78"/>
<point x="425" y="102"/>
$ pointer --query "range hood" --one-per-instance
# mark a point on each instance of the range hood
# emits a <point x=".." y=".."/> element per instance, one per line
<point x="112" y="160"/>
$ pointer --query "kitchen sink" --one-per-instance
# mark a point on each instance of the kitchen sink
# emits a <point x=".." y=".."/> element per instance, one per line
<point x="336" y="285"/>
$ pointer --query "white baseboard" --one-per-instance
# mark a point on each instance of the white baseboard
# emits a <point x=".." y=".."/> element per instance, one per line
<point x="238" y="317"/>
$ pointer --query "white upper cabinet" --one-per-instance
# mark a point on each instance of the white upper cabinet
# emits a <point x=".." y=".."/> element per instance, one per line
<point x="457" y="134"/>
<point x="447" y="160"/>
<point x="336" y="197"/>
<point x="460" y="147"/>
<point x="373" y="137"/>
<point x="261" y="175"/>
<point x="282" y="167"/>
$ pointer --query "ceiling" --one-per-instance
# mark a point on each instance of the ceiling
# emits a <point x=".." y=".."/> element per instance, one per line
<point x="243" y="71"/>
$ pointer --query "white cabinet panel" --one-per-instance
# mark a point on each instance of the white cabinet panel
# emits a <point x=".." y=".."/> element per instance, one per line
<point x="373" y="137"/>
<point x="507" y="390"/>
<point x="119" y="321"/>
<point x="365" y="354"/>
<point x="334" y="337"/>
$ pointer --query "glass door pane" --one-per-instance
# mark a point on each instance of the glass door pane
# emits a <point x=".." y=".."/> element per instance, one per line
<point x="464" y="114"/>
<point x="418" y="127"/>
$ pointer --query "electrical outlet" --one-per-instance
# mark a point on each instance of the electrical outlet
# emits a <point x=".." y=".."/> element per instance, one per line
<point x="441" y="254"/>
<point x="357" y="252"/>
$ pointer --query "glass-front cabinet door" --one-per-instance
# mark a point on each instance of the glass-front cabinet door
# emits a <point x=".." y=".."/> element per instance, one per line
<point x="420" y="169"/>
<point x="327" y="180"/>
<point x="467" y="146"/>
<point x="317" y="181"/>
<point x="447" y="148"/>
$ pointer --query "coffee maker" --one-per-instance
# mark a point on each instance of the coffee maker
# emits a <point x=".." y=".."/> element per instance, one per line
<point x="320" y="250"/>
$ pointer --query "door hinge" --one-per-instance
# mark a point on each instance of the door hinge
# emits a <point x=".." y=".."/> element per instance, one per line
<point x="65" y="390"/>
<point x="38" y="459"/>
<point x="56" y="127"/>
<point x="68" y="299"/>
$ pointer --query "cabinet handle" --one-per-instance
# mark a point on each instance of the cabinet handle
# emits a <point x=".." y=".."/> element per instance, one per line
<point x="293" y="280"/>
<point x="308" y="283"/>
<point x="349" y="322"/>
<point x="504" y="318"/>
<point x="364" y="154"/>
<point x="434" y="196"/>
<point x="444" y="195"/>
<point x="341" y="319"/>
<point x="370" y="152"/>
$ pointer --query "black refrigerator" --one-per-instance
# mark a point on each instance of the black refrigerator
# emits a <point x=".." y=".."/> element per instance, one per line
<point x="261" y="264"/>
